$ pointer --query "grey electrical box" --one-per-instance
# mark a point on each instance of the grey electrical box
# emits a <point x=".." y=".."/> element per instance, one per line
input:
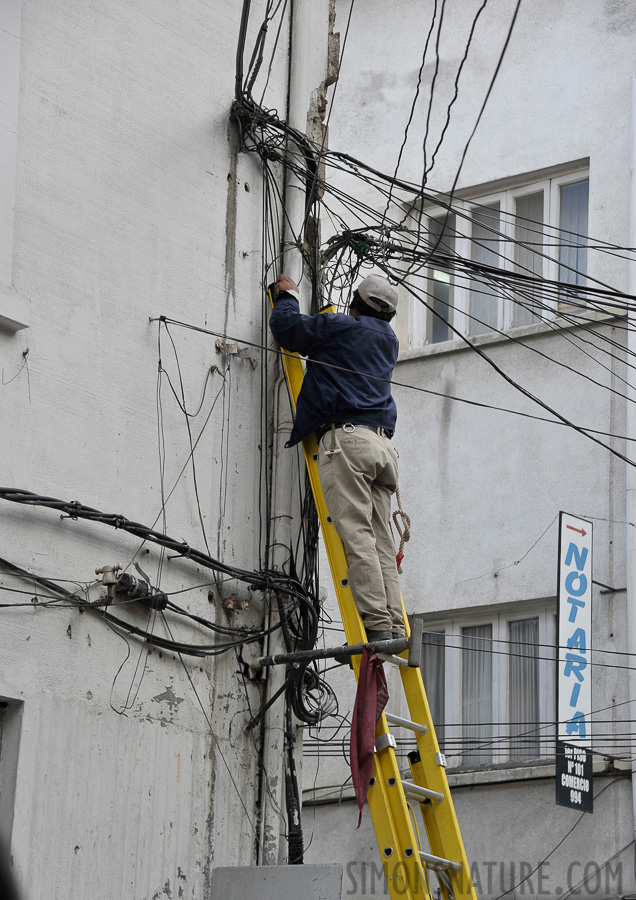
<point x="277" y="883"/>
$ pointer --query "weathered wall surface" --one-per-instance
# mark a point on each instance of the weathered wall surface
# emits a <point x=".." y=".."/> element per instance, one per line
<point x="134" y="774"/>
<point x="483" y="486"/>
<point x="497" y="868"/>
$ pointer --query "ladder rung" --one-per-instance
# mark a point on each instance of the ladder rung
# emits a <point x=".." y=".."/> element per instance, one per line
<point x="394" y="660"/>
<point x="437" y="863"/>
<point x="416" y="792"/>
<point x="406" y="723"/>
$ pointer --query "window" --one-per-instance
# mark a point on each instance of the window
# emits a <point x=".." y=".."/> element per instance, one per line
<point x="573" y="224"/>
<point x="537" y="230"/>
<point x="10" y="727"/>
<point x="433" y="676"/>
<point x="490" y="684"/>
<point x="442" y="234"/>
<point x="477" y="694"/>
<point x="528" y="234"/>
<point x="485" y="249"/>
<point x="14" y="309"/>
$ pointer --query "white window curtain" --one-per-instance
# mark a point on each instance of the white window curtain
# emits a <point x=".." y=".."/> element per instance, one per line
<point x="484" y="302"/>
<point x="433" y="676"/>
<point x="523" y="697"/>
<point x="441" y="286"/>
<point x="477" y="699"/>
<point x="528" y="259"/>
<point x="573" y="235"/>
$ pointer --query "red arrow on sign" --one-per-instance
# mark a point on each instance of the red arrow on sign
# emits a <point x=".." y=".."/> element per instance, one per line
<point x="580" y="531"/>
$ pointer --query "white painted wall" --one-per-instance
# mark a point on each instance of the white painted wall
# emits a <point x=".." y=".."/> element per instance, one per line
<point x="482" y="486"/>
<point x="130" y="203"/>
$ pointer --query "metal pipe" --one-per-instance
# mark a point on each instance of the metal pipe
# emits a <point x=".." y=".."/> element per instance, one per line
<point x="406" y="723"/>
<point x="295" y="187"/>
<point x="274" y="850"/>
<point x="421" y="794"/>
<point x="438" y="863"/>
<point x="388" y="647"/>
<point x="272" y="800"/>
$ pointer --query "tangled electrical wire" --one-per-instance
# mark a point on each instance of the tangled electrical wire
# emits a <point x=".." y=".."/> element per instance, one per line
<point x="299" y="615"/>
<point x="394" y="244"/>
<point x="413" y="254"/>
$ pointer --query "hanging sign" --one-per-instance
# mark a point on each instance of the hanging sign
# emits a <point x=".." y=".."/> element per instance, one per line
<point x="574" y="679"/>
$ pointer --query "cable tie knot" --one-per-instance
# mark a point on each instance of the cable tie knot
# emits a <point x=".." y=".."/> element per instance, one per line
<point x="75" y="507"/>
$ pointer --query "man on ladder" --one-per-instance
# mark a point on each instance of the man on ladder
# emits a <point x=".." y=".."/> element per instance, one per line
<point x="346" y="400"/>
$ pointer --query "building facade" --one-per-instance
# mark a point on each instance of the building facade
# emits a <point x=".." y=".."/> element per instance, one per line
<point x="541" y="188"/>
<point x="126" y="765"/>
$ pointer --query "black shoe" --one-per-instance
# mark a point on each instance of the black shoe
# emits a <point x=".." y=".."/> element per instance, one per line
<point x="373" y="636"/>
<point x="396" y="635"/>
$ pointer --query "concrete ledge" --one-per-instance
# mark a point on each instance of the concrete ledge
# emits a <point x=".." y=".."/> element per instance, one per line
<point x="312" y="882"/>
<point x="476" y="777"/>
<point x="329" y="794"/>
<point x="601" y="766"/>
<point x="521" y="331"/>
<point x="14" y="311"/>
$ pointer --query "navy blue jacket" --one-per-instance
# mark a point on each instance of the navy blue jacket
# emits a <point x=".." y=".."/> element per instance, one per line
<point x="366" y="345"/>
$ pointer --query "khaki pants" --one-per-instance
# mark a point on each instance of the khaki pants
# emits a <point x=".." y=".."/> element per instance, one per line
<point x="357" y="484"/>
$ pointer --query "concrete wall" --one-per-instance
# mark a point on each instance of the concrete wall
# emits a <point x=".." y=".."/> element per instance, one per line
<point x="129" y="771"/>
<point x="482" y="486"/>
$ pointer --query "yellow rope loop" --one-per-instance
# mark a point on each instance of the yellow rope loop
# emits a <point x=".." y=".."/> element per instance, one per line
<point x="414" y="821"/>
<point x="419" y="844"/>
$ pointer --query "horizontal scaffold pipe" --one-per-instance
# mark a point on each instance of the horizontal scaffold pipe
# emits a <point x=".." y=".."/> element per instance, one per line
<point x="399" y="645"/>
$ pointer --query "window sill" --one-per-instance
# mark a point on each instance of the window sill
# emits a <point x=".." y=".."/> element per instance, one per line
<point x="505" y="773"/>
<point x="14" y="311"/>
<point x="532" y="770"/>
<point x="484" y="340"/>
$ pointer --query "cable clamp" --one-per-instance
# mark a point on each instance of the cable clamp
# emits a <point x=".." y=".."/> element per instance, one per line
<point x="75" y="506"/>
<point x="384" y="741"/>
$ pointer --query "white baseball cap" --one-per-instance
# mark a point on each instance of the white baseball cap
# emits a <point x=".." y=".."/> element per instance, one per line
<point x="377" y="293"/>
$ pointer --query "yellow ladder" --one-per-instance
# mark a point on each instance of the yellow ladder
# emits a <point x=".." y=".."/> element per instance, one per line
<point x="405" y="864"/>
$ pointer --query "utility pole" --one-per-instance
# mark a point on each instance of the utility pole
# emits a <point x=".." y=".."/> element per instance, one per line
<point x="630" y="495"/>
<point x="308" y="55"/>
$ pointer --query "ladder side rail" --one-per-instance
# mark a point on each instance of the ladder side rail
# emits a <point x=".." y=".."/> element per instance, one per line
<point x="402" y="864"/>
<point x="440" y="820"/>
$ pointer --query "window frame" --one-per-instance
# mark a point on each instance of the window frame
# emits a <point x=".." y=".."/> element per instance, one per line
<point x="9" y="753"/>
<point x="499" y="618"/>
<point x="421" y="318"/>
<point x="14" y="308"/>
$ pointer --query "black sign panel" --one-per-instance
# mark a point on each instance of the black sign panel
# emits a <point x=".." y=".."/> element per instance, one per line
<point x="574" y="777"/>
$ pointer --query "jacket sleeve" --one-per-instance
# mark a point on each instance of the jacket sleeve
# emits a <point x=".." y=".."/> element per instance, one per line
<point x="295" y="331"/>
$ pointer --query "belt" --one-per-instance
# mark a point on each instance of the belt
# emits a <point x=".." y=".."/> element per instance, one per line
<point x="349" y="426"/>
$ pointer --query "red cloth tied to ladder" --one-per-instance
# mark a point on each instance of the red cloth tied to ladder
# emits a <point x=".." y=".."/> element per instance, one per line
<point x="371" y="698"/>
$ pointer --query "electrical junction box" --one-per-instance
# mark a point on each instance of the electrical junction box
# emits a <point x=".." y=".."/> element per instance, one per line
<point x="277" y="883"/>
